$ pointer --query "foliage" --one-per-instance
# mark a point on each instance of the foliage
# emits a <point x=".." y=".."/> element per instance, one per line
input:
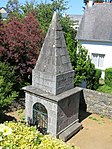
<point x="22" y="136"/>
<point x="44" y="11"/>
<point x="86" y="1"/>
<point x="21" y="115"/>
<point x="105" y="89"/>
<point x="81" y="62"/>
<point x="82" y="65"/>
<point x="44" y="15"/>
<point x="97" y="1"/>
<point x="28" y="7"/>
<point x="97" y="78"/>
<point x="108" y="77"/>
<point x="26" y="137"/>
<point x="49" y="142"/>
<point x="7" y="78"/>
<point x="0" y="16"/>
<point x="12" y="6"/>
<point x="20" y="43"/>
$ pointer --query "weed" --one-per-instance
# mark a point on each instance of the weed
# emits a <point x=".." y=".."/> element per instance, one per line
<point x="96" y="119"/>
<point x="21" y="115"/>
<point x="102" y="116"/>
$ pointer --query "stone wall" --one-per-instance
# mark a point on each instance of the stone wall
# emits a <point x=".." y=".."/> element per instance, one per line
<point x="96" y="102"/>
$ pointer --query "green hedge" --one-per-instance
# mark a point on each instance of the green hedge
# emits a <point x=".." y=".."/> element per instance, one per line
<point x="7" y="85"/>
<point x="96" y="79"/>
<point x="105" y="89"/>
<point x="108" y="77"/>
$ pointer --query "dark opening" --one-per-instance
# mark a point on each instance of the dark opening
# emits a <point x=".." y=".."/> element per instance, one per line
<point x="40" y="117"/>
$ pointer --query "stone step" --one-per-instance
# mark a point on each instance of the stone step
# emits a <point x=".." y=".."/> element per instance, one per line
<point x="68" y="133"/>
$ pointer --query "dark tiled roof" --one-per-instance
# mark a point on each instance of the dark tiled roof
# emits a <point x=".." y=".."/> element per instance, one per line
<point x="96" y="24"/>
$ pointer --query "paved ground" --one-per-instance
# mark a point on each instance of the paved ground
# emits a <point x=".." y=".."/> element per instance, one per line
<point x="96" y="133"/>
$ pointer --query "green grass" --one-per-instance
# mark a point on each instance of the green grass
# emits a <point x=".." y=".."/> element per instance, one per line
<point x="105" y="89"/>
<point x="96" y="119"/>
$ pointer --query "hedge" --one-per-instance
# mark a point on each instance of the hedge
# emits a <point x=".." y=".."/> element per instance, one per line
<point x="96" y="79"/>
<point x="108" y="77"/>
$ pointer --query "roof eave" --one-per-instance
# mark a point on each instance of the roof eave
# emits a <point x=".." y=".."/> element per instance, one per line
<point x="93" y="40"/>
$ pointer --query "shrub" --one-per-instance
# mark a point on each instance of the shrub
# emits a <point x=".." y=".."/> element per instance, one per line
<point x="96" y="78"/>
<point x="18" y="135"/>
<point x="84" y="68"/>
<point x="105" y="89"/>
<point x="49" y="142"/>
<point x="20" y="43"/>
<point x="7" y="93"/>
<point x="22" y="136"/>
<point x="108" y="77"/>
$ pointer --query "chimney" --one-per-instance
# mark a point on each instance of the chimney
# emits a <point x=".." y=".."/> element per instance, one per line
<point x="90" y="3"/>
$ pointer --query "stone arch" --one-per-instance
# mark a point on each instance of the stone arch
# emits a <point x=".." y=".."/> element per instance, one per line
<point x="40" y="117"/>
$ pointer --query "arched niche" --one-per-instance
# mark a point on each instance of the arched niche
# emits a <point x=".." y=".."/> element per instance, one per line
<point x="40" y="117"/>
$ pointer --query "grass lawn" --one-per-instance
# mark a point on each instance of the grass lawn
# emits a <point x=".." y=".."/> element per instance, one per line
<point x="105" y="89"/>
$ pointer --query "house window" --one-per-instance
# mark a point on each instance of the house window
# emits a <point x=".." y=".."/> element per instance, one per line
<point x="98" y="59"/>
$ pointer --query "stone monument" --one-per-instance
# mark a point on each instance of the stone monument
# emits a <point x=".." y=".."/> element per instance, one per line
<point x="52" y="87"/>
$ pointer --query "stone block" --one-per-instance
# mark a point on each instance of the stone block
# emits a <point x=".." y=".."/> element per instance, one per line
<point x="70" y="131"/>
<point x="63" y="52"/>
<point x="65" y="59"/>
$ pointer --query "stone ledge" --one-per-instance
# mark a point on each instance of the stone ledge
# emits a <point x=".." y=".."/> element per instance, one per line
<point x="70" y="131"/>
<point x="55" y="98"/>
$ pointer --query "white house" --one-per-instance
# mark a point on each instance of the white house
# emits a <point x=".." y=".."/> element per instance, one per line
<point x="95" y="34"/>
<point x="3" y="13"/>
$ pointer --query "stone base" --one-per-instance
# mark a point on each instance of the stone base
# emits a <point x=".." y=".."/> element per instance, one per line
<point x="68" y="133"/>
<point x="62" y="110"/>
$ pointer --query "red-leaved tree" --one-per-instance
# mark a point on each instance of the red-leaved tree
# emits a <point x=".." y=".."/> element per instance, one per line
<point x="20" y="43"/>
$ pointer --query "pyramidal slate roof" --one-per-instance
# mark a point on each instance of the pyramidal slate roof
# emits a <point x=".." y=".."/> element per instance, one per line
<point x="96" y="24"/>
<point x="53" y="71"/>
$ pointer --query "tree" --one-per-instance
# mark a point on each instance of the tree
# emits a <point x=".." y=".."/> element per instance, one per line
<point x="44" y="11"/>
<point x="13" y="6"/>
<point x="0" y="16"/>
<point x="7" y="79"/>
<point x="81" y="62"/>
<point x="84" y="68"/>
<point x="97" y="1"/>
<point x="20" y="43"/>
<point x="86" y="1"/>
<point x="28" y="7"/>
<point x="14" y="9"/>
